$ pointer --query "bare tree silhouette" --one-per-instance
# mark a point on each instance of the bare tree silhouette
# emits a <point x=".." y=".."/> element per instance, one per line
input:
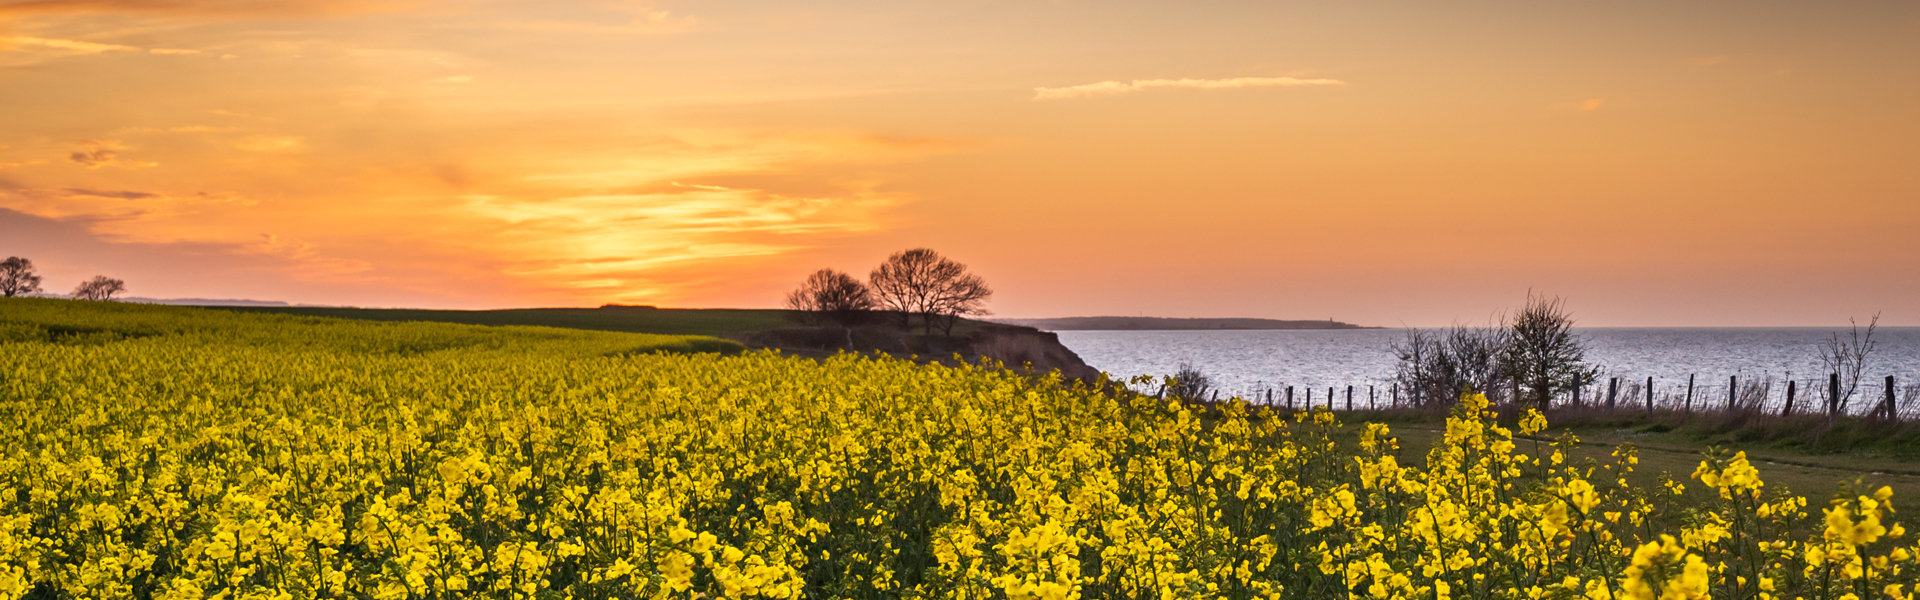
<point x="100" y="287"/>
<point x="829" y="295"/>
<point x="17" y="277"/>
<point x="921" y="282"/>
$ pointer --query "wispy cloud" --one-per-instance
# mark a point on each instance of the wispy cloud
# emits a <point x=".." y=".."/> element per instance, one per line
<point x="224" y="8"/>
<point x="121" y="206"/>
<point x="121" y="194"/>
<point x="182" y="129"/>
<point x="1105" y="88"/>
<point x="635" y="246"/>
<point x="32" y="49"/>
<point x="94" y="154"/>
<point x="88" y="47"/>
<point x="642" y="18"/>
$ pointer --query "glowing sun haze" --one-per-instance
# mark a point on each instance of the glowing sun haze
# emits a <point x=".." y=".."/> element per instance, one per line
<point x="1386" y="163"/>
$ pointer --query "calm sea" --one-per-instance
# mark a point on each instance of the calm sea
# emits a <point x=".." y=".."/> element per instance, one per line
<point x="1248" y="363"/>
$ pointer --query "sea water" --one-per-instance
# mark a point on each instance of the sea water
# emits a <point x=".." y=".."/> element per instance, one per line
<point x="1250" y="363"/>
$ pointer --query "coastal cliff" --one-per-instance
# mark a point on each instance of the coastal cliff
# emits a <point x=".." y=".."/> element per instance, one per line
<point x="1017" y="347"/>
<point x="1040" y="350"/>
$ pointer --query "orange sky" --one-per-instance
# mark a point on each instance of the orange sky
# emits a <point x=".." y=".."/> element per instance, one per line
<point x="1386" y="163"/>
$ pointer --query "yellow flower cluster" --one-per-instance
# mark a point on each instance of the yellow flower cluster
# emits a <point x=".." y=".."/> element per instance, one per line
<point x="188" y="454"/>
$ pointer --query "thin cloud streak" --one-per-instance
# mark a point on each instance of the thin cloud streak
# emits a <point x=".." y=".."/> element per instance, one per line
<point x="88" y="47"/>
<point x="226" y="8"/>
<point x="121" y="194"/>
<point x="1106" y="88"/>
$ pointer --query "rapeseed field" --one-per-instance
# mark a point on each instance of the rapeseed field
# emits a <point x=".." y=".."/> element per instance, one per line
<point x="155" y="452"/>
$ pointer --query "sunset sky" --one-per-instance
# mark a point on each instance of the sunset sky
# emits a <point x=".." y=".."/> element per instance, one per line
<point x="1384" y="163"/>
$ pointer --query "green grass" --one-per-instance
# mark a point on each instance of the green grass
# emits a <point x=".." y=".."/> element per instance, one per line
<point x="715" y="322"/>
<point x="1675" y="449"/>
<point x="739" y="324"/>
<point x="73" y="322"/>
<point x="1848" y="437"/>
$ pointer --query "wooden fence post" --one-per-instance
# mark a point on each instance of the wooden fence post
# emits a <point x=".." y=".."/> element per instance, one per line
<point x="1689" y="409"/>
<point x="1890" y="414"/>
<point x="1329" y="398"/>
<point x="1790" y="389"/>
<point x="1289" y="397"/>
<point x="1577" y="386"/>
<point x="1613" y="389"/>
<point x="1349" y="398"/>
<point x="1396" y="395"/>
<point x="1733" y="392"/>
<point x="1649" y="395"/>
<point x="1369" y="396"/>
<point x="1833" y="395"/>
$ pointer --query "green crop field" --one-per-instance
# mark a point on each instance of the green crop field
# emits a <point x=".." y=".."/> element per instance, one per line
<point x="632" y="319"/>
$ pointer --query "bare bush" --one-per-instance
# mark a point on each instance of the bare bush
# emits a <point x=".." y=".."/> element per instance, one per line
<point x="100" y="287"/>
<point x="1188" y="383"/>
<point x="1753" y="393"/>
<point x="1909" y="401"/>
<point x="1848" y="357"/>
<point x="1436" y="367"/>
<point x="1631" y="394"/>
<point x="1543" y="356"/>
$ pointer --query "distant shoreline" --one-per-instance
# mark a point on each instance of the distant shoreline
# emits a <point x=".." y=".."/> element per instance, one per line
<point x="1175" y="324"/>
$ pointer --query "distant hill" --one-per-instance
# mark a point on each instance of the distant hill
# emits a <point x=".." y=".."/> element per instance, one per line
<point x="206" y="302"/>
<point x="1167" y="324"/>
<point x="183" y="301"/>
<point x="759" y="328"/>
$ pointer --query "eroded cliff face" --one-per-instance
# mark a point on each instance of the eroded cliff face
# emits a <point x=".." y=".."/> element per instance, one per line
<point x="1040" y="351"/>
<point x="1021" y="348"/>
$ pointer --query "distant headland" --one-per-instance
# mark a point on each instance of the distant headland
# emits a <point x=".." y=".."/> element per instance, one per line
<point x="1170" y="324"/>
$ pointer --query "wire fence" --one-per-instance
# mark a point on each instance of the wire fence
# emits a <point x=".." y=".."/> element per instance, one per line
<point x="1884" y="397"/>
